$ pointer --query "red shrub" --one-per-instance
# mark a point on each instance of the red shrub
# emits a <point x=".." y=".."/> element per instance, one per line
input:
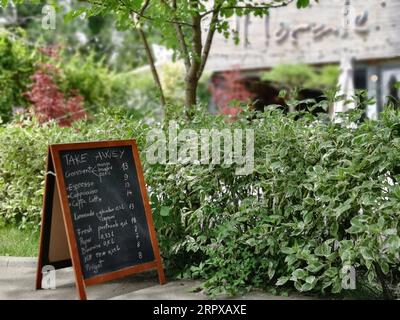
<point x="51" y="51"/>
<point x="229" y="87"/>
<point x="49" y="102"/>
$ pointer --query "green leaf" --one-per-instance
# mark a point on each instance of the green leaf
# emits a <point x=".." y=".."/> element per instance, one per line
<point x="334" y="227"/>
<point x="323" y="250"/>
<point x="310" y="279"/>
<point x="165" y="211"/>
<point x="337" y="286"/>
<point x="341" y="209"/>
<point x="299" y="274"/>
<point x="281" y="281"/>
<point x="366" y="253"/>
<point x="384" y="267"/>
<point x="371" y="276"/>
<point x="393" y="243"/>
<point x="308" y="217"/>
<point x="282" y="93"/>
<point x="331" y="272"/>
<point x="355" y="229"/>
<point x="358" y="224"/>
<point x="346" y="255"/>
<point x="303" y="3"/>
<point x="288" y="250"/>
<point x="308" y="286"/>
<point x="74" y="14"/>
<point x="290" y="260"/>
<point x="315" y="266"/>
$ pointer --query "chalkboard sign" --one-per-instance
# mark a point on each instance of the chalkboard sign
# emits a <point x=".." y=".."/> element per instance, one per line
<point x="106" y="214"/>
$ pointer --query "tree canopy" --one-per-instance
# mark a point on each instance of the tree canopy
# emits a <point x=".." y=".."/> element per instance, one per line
<point x="186" y="26"/>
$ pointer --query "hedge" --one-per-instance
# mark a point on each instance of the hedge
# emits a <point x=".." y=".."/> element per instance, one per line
<point x="323" y="198"/>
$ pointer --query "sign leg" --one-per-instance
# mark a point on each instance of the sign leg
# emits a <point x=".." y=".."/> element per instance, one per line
<point x="160" y="270"/>
<point x="45" y="214"/>
<point x="80" y="287"/>
<point x="39" y="276"/>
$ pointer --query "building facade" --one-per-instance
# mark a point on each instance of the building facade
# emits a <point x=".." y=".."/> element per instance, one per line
<point x="368" y="31"/>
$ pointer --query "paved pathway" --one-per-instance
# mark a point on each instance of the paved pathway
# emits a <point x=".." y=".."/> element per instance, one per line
<point x="17" y="281"/>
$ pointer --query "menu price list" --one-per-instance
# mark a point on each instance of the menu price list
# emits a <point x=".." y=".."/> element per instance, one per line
<point x="107" y="209"/>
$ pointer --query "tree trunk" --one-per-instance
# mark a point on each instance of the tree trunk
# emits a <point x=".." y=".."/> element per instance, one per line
<point x="151" y="61"/>
<point x="190" y="92"/>
<point x="192" y="75"/>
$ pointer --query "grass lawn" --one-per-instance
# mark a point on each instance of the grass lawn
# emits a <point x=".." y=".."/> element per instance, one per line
<point x="15" y="242"/>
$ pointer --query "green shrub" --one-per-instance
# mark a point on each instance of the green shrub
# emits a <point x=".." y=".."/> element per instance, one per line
<point x="94" y="81"/>
<point x="323" y="196"/>
<point x="16" y="67"/>
<point x="77" y="75"/>
<point x="302" y="76"/>
<point x="22" y="159"/>
<point x="144" y="94"/>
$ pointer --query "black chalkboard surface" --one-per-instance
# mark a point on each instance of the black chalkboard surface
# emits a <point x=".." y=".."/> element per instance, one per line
<point x="107" y="209"/>
<point x="96" y="214"/>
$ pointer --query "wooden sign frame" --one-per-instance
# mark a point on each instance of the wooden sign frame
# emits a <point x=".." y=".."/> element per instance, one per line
<point x="55" y="189"/>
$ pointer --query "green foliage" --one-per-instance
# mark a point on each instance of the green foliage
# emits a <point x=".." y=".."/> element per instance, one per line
<point x="101" y="86"/>
<point x="303" y="3"/>
<point x="92" y="79"/>
<point x="22" y="158"/>
<point x="323" y="196"/>
<point x="161" y="15"/>
<point x="98" y="34"/>
<point x="302" y="76"/>
<point x="144" y="93"/>
<point x="173" y="82"/>
<point x="16" y="67"/>
<point x="203" y="90"/>
<point x="82" y="75"/>
<point x="179" y="25"/>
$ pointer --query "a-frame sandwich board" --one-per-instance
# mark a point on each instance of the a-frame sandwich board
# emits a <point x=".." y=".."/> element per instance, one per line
<point x="59" y="246"/>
